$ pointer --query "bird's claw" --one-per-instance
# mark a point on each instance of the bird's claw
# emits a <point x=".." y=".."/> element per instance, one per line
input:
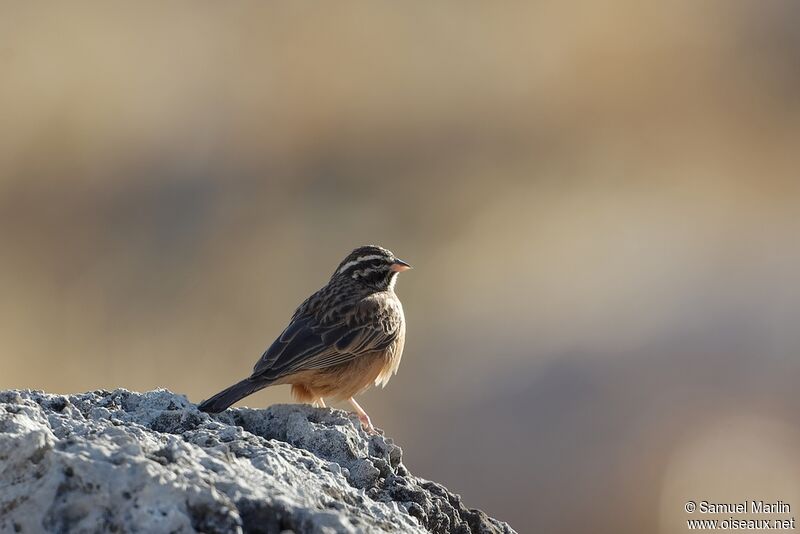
<point x="366" y="424"/>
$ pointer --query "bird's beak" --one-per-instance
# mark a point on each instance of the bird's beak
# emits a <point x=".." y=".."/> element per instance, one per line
<point x="399" y="266"/>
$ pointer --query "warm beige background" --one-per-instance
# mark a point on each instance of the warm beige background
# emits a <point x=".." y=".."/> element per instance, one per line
<point x="601" y="203"/>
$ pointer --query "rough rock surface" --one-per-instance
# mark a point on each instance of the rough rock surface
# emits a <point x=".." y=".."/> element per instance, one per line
<point x="128" y="462"/>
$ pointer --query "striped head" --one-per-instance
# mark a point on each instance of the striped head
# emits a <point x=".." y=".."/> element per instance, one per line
<point x="373" y="266"/>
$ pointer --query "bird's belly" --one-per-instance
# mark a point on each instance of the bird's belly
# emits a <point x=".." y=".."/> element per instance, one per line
<point x="347" y="379"/>
<point x="392" y="358"/>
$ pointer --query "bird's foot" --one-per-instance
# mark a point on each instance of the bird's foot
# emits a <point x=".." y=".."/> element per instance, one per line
<point x="363" y="417"/>
<point x="367" y="424"/>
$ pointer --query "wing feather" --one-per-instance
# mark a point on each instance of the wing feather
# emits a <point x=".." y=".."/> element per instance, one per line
<point x="305" y="344"/>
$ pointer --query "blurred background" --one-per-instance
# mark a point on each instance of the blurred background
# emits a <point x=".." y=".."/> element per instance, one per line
<point x="601" y="205"/>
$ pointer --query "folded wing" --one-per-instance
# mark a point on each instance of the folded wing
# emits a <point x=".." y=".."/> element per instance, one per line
<point x="306" y="344"/>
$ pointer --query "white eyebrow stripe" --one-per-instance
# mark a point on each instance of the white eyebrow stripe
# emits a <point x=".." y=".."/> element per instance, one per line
<point x="358" y="260"/>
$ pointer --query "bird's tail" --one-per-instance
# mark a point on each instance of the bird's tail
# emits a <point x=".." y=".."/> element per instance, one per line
<point x="222" y="400"/>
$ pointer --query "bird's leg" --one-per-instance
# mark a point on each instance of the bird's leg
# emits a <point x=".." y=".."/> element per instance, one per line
<point x="319" y="403"/>
<point x="362" y="415"/>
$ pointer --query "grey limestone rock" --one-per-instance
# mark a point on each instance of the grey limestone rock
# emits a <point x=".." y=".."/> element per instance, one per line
<point x="119" y="461"/>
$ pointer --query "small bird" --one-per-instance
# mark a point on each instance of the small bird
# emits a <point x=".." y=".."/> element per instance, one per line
<point x="340" y="340"/>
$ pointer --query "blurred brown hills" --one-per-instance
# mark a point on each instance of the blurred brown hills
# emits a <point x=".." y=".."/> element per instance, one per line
<point x="600" y="203"/>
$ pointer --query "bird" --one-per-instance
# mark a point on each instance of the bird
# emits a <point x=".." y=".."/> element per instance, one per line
<point x="340" y="341"/>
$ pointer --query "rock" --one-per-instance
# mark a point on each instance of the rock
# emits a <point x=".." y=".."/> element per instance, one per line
<point x="128" y="462"/>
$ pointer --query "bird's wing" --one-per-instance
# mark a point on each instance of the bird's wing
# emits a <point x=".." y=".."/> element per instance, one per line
<point x="307" y="344"/>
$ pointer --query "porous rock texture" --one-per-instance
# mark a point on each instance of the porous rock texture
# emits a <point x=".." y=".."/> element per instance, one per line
<point x="119" y="461"/>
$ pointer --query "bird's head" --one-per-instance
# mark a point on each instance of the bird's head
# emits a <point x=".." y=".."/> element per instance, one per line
<point x="372" y="266"/>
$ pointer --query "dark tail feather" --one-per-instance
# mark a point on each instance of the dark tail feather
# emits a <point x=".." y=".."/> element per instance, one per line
<point x="222" y="400"/>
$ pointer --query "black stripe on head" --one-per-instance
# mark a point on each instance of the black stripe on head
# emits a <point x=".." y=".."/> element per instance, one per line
<point x="379" y="278"/>
<point x="367" y="257"/>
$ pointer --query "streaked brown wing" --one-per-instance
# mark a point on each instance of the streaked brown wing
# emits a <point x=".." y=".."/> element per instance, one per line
<point x="305" y="344"/>
<point x="357" y="342"/>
